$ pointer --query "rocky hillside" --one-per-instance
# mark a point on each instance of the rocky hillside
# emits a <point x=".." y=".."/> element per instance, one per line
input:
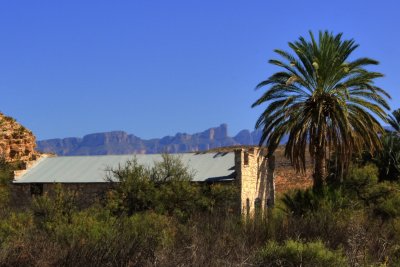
<point x="16" y="142"/>
<point x="120" y="142"/>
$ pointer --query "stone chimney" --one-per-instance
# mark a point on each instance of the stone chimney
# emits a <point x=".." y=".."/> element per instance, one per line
<point x="251" y="169"/>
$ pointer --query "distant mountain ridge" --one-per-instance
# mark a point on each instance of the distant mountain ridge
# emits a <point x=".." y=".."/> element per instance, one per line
<point x="120" y="142"/>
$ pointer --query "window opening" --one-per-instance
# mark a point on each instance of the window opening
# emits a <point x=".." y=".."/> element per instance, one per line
<point x="36" y="189"/>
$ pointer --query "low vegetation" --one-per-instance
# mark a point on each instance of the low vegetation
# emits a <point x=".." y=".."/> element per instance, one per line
<point x="157" y="217"/>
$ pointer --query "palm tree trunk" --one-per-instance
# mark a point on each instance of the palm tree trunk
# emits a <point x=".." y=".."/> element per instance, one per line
<point x="271" y="182"/>
<point x="319" y="168"/>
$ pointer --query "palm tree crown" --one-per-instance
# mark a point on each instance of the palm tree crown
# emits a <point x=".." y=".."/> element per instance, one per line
<point x="322" y="100"/>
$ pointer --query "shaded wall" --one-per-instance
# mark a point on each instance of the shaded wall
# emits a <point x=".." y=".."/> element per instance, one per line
<point x="251" y="166"/>
<point x="86" y="194"/>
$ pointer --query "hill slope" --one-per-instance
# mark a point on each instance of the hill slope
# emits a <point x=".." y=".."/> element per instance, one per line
<point x="16" y="142"/>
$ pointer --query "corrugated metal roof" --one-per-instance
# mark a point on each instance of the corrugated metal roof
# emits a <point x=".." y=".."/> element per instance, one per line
<point x="92" y="169"/>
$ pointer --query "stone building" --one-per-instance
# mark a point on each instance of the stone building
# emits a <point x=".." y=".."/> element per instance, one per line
<point x="247" y="167"/>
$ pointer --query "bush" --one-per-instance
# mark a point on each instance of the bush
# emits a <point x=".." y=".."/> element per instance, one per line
<point x="295" y="253"/>
<point x="382" y="198"/>
<point x="165" y="188"/>
<point x="14" y="225"/>
<point x="388" y="160"/>
<point x="222" y="198"/>
<point x="360" y="180"/>
<point x="52" y="210"/>
<point x="128" y="241"/>
<point x="301" y="202"/>
<point x="133" y="190"/>
<point x="179" y="198"/>
<point x="6" y="176"/>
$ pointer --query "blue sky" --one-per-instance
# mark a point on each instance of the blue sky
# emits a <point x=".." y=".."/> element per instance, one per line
<point x="154" y="68"/>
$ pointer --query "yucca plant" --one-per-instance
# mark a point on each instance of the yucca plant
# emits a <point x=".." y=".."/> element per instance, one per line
<point x="388" y="160"/>
<point x="324" y="101"/>
<point x="394" y="121"/>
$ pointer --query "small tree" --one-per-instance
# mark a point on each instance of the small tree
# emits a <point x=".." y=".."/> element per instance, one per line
<point x="133" y="189"/>
<point x="165" y="187"/>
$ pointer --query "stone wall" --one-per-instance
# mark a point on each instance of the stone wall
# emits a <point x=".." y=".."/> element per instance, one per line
<point x="251" y="165"/>
<point x="85" y="193"/>
<point x="16" y="142"/>
<point x="287" y="178"/>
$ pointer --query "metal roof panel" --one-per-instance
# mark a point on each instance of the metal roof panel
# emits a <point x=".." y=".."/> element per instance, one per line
<point x="92" y="169"/>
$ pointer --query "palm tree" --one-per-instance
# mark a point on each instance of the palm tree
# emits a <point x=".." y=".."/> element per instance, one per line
<point x="324" y="101"/>
<point x="394" y="121"/>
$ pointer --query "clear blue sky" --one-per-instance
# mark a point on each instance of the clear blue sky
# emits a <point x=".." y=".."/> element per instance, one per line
<point x="153" y="68"/>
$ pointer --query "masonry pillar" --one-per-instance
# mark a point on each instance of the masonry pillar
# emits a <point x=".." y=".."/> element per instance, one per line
<point x="251" y="169"/>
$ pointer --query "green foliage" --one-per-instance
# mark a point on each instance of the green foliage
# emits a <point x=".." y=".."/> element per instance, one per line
<point x="133" y="190"/>
<point x="89" y="226"/>
<point x="382" y="198"/>
<point x="394" y="120"/>
<point x="6" y="176"/>
<point x="361" y="180"/>
<point x="149" y="229"/>
<point x="50" y="211"/>
<point x="166" y="188"/>
<point x="301" y="202"/>
<point x="179" y="198"/>
<point x="222" y="198"/>
<point x="13" y="225"/>
<point x="170" y="168"/>
<point x="123" y="241"/>
<point x="389" y="206"/>
<point x="388" y="160"/>
<point x="295" y="253"/>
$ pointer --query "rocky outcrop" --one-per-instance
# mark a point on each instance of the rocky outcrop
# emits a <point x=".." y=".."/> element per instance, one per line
<point x="120" y="142"/>
<point x="16" y="142"/>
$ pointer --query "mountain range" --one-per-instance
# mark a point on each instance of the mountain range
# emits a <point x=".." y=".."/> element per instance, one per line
<point x="120" y="142"/>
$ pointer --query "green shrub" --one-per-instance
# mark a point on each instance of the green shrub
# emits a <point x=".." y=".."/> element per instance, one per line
<point x="178" y="198"/>
<point x="88" y="226"/>
<point x="149" y="229"/>
<point x="222" y="198"/>
<point x="50" y="210"/>
<point x="133" y="190"/>
<point x="301" y="202"/>
<point x="170" y="168"/>
<point x="14" y="225"/>
<point x="166" y="188"/>
<point x="126" y="241"/>
<point x="295" y="253"/>
<point x="6" y="176"/>
<point x="360" y="180"/>
<point x="388" y="160"/>
<point x="384" y="199"/>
